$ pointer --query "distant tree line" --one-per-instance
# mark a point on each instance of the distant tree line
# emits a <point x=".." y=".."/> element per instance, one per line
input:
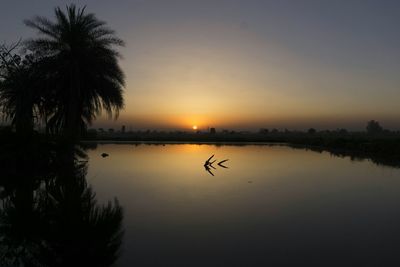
<point x="373" y="127"/>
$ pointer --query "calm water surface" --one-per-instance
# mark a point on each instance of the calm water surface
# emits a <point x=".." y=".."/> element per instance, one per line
<point x="272" y="206"/>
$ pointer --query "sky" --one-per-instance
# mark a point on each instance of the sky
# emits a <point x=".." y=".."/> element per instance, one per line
<point x="246" y="64"/>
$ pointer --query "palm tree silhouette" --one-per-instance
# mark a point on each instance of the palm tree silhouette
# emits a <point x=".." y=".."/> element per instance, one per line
<point x="81" y="67"/>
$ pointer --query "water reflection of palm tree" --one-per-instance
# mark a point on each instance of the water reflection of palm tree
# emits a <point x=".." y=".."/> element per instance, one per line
<point x="51" y="218"/>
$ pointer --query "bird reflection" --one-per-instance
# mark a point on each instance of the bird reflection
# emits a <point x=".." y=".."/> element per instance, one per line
<point x="49" y="214"/>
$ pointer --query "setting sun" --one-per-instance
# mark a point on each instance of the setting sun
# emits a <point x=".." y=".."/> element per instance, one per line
<point x="194" y="127"/>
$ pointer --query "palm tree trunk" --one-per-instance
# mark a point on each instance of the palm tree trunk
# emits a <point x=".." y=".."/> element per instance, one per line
<point x="72" y="129"/>
<point x="23" y="121"/>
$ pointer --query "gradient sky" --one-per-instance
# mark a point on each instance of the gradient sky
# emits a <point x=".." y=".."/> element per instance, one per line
<point x="247" y="64"/>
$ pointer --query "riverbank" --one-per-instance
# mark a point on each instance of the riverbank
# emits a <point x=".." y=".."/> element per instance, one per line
<point x="382" y="144"/>
<point x="383" y="147"/>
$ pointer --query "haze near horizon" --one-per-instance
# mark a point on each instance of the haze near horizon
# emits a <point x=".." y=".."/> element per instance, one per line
<point x="247" y="64"/>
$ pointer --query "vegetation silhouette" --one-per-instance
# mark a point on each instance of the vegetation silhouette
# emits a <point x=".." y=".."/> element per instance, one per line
<point x="68" y="75"/>
<point x="49" y="215"/>
<point x="373" y="127"/>
<point x="208" y="164"/>
<point x="82" y="67"/>
<point x="19" y="87"/>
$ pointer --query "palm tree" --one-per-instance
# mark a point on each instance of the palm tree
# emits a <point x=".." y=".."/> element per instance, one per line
<point x="82" y="68"/>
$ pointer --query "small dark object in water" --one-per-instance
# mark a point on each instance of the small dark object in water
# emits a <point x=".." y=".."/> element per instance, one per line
<point x="104" y="155"/>
<point x="207" y="163"/>
<point x="250" y="182"/>
<point x="208" y="169"/>
<point x="221" y="163"/>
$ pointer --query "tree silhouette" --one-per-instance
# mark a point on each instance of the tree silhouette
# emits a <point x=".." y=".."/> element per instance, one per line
<point x="374" y="127"/>
<point x="311" y="131"/>
<point x="49" y="215"/>
<point x="18" y="87"/>
<point x="81" y="67"/>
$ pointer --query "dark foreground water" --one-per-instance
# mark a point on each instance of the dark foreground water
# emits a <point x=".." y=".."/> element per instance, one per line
<point x="270" y="206"/>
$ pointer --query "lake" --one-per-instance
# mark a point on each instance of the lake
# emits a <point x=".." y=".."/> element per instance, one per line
<point x="272" y="205"/>
<point x="158" y="205"/>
